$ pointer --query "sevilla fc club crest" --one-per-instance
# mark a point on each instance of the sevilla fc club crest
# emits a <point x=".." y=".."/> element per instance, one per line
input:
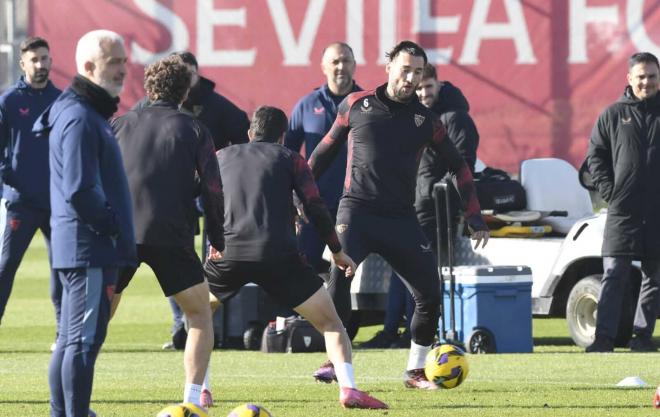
<point x="341" y="228"/>
<point x="419" y="119"/>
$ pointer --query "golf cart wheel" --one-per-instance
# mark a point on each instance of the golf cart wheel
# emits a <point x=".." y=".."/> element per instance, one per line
<point x="582" y="309"/>
<point x="481" y="341"/>
<point x="252" y="336"/>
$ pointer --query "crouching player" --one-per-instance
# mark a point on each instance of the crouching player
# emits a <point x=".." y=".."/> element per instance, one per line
<point x="260" y="243"/>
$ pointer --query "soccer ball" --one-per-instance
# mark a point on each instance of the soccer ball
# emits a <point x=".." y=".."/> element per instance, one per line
<point x="446" y="366"/>
<point x="182" y="410"/>
<point x="250" y="410"/>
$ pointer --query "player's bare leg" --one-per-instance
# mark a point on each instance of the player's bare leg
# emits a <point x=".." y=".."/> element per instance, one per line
<point x="320" y="312"/>
<point x="194" y="303"/>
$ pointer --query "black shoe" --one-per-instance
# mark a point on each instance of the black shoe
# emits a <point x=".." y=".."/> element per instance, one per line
<point x="601" y="344"/>
<point x="642" y="344"/>
<point x="382" y="340"/>
<point x="179" y="338"/>
<point x="403" y="341"/>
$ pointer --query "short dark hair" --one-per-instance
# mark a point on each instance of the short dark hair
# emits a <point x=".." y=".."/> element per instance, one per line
<point x="642" y="58"/>
<point x="268" y="123"/>
<point x="429" y="72"/>
<point x="409" y="47"/>
<point x="188" y="58"/>
<point x="167" y="79"/>
<point x="32" y="43"/>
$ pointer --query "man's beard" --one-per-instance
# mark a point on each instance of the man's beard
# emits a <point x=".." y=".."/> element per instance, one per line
<point x="112" y="88"/>
<point x="40" y="77"/>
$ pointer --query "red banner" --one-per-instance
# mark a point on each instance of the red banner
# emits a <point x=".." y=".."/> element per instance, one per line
<point x="536" y="73"/>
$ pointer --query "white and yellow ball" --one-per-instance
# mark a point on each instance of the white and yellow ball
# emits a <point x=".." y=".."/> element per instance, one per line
<point x="446" y="366"/>
<point x="250" y="410"/>
<point x="182" y="410"/>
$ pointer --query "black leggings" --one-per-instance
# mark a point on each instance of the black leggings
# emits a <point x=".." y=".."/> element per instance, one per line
<point x="401" y="242"/>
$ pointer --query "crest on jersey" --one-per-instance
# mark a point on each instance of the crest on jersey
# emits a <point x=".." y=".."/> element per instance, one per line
<point x="419" y="119"/>
<point x="341" y="228"/>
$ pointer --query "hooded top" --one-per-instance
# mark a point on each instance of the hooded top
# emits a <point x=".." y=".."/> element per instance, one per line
<point x="624" y="161"/>
<point x="227" y="123"/>
<point x="310" y="120"/>
<point x="91" y="218"/>
<point x="452" y="108"/>
<point x="24" y="161"/>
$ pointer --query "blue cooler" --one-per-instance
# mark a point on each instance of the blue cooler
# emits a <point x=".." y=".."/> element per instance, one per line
<point x="493" y="308"/>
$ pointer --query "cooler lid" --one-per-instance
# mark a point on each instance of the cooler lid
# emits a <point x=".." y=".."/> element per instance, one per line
<point x="490" y="274"/>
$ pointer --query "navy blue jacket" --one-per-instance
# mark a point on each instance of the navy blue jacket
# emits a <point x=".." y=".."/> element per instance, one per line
<point x="91" y="217"/>
<point x="24" y="157"/>
<point x="310" y="120"/>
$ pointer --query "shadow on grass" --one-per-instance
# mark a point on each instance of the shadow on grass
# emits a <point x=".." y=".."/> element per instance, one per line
<point x="553" y="341"/>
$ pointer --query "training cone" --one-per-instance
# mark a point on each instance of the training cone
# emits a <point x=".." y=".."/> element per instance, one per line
<point x="632" y="382"/>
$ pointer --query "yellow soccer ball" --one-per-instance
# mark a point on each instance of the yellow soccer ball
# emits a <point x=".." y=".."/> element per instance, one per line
<point x="250" y="410"/>
<point x="446" y="366"/>
<point x="182" y="410"/>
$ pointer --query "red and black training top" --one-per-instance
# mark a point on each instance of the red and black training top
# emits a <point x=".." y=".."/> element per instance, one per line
<point x="385" y="143"/>
<point x="257" y="180"/>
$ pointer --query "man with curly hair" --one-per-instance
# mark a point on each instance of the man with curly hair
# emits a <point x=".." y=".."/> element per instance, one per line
<point x="163" y="150"/>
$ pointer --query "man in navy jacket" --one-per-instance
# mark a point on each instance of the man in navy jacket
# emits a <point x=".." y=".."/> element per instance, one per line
<point x="24" y="166"/>
<point x="311" y="119"/>
<point x="91" y="220"/>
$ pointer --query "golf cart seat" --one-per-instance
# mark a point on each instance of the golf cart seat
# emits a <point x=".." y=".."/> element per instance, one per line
<point x="552" y="184"/>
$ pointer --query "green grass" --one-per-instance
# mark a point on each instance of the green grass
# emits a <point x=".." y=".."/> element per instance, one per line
<point x="135" y="378"/>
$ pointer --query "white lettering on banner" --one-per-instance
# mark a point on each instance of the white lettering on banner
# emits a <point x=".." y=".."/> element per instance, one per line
<point x="355" y="29"/>
<point x="387" y="26"/>
<point x="423" y="22"/>
<point x="296" y="52"/>
<point x="580" y="15"/>
<point x="636" y="29"/>
<point x="479" y="29"/>
<point x="207" y="19"/>
<point x="173" y="24"/>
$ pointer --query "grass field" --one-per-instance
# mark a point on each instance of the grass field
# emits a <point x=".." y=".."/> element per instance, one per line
<point x="134" y="377"/>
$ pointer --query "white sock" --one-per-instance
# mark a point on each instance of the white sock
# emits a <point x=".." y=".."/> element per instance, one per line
<point x="344" y="372"/>
<point x="191" y="393"/>
<point x="417" y="356"/>
<point x="206" y="384"/>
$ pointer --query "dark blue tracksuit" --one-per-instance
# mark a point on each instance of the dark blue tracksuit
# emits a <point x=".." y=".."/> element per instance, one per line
<point x="310" y="120"/>
<point x="92" y="236"/>
<point x="25" y="206"/>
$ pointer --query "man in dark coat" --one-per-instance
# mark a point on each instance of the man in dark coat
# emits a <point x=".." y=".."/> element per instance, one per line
<point x="623" y="160"/>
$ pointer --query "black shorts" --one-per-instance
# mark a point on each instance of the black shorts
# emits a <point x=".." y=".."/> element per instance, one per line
<point x="290" y="282"/>
<point x="177" y="268"/>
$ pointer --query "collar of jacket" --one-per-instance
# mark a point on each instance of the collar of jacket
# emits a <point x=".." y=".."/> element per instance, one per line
<point x="263" y="139"/>
<point x="164" y="103"/>
<point x="98" y="98"/>
<point x="325" y="90"/>
<point x="22" y="84"/>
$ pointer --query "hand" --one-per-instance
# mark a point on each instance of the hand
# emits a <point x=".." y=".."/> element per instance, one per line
<point x="214" y="254"/>
<point x="480" y="236"/>
<point x="345" y="263"/>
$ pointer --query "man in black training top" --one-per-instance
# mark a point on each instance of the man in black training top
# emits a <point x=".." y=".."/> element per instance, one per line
<point x="164" y="150"/>
<point x="258" y="180"/>
<point x="387" y="129"/>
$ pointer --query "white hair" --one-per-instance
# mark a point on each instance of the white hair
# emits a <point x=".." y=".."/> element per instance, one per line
<point x="89" y="46"/>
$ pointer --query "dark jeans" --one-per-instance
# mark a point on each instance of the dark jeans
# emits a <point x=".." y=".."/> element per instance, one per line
<point x="615" y="279"/>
